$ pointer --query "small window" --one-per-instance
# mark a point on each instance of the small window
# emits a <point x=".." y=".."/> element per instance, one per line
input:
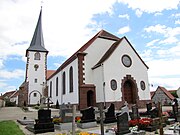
<point x="35" y="94"/>
<point x="64" y="83"/>
<point x="71" y="79"/>
<point x="37" y="56"/>
<point x="57" y="86"/>
<point x="50" y="93"/>
<point x="143" y="86"/>
<point x="35" y="80"/>
<point x="113" y="84"/>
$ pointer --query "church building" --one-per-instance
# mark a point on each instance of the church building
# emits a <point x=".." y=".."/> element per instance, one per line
<point x="107" y="69"/>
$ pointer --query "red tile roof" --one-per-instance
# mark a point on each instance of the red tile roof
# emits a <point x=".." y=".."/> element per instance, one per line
<point x="101" y="34"/>
<point x="11" y="94"/>
<point x="49" y="73"/>
<point x="168" y="94"/>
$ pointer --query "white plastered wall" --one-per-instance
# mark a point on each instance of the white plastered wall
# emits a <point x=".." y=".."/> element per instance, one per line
<point x="71" y="97"/>
<point x="39" y="75"/>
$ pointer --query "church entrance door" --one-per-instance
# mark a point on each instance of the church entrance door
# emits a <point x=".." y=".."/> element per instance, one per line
<point x="129" y="92"/>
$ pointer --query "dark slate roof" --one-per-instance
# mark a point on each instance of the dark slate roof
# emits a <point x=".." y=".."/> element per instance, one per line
<point x="37" y="43"/>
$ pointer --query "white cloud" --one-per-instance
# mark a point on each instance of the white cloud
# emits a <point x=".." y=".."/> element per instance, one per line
<point x="17" y="73"/>
<point x="177" y="22"/>
<point x="158" y="14"/>
<point x="151" y="6"/>
<point x="6" y="87"/>
<point x="126" y="16"/>
<point x="169" y="33"/>
<point x="176" y="15"/>
<point x="169" y="40"/>
<point x="163" y="67"/>
<point x="162" y="29"/>
<point x="151" y="43"/>
<point x="168" y="83"/>
<point x="138" y="13"/>
<point x="124" y="30"/>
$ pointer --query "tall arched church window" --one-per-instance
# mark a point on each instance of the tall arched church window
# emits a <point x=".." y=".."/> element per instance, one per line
<point x="57" y="86"/>
<point x="37" y="56"/>
<point x="50" y="93"/>
<point x="71" y="79"/>
<point x="64" y="83"/>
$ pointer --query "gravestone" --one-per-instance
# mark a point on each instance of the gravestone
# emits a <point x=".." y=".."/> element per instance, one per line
<point x="43" y="123"/>
<point x="176" y="111"/>
<point x="122" y="124"/>
<point x="88" y="115"/>
<point x="148" y="107"/>
<point x="64" y="109"/>
<point x="154" y="112"/>
<point x="124" y="109"/>
<point x="110" y="114"/>
<point x="88" y="118"/>
<point x="135" y="113"/>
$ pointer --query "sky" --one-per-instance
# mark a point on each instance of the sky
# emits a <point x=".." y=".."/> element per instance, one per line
<point x="151" y="26"/>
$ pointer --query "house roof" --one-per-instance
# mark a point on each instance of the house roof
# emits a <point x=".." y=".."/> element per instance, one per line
<point x="11" y="94"/>
<point x="101" y="34"/>
<point x="168" y="94"/>
<point x="37" y="43"/>
<point x="49" y="73"/>
<point x="111" y="50"/>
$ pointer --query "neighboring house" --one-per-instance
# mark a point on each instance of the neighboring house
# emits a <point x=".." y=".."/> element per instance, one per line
<point x="178" y="92"/>
<point x="162" y="95"/>
<point x="2" y="103"/>
<point x="106" y="69"/>
<point x="11" y="96"/>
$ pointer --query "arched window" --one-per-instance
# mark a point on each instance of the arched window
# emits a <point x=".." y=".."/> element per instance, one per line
<point x="64" y="83"/>
<point x="71" y="79"/>
<point x="50" y="92"/>
<point x="57" y="86"/>
<point x="37" y="56"/>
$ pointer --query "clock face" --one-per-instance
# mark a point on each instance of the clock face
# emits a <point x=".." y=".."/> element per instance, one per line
<point x="126" y="60"/>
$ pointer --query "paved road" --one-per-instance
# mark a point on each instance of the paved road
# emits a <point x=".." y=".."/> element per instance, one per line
<point x="14" y="113"/>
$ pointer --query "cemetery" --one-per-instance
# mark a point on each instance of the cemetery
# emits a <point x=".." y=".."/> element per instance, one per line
<point x="107" y="121"/>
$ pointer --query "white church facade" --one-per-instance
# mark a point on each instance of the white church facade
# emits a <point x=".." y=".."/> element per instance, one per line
<point x="107" y="69"/>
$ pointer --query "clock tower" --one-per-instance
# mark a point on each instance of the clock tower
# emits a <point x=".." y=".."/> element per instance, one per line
<point x="36" y="65"/>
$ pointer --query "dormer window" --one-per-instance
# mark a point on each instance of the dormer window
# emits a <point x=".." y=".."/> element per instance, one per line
<point x="37" y="56"/>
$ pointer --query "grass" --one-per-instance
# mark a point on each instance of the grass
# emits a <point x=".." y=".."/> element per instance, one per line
<point x="10" y="128"/>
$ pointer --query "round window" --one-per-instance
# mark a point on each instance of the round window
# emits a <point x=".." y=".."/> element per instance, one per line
<point x="113" y="84"/>
<point x="126" y="60"/>
<point x="143" y="86"/>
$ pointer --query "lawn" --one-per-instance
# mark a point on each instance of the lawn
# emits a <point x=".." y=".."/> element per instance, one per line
<point x="10" y="128"/>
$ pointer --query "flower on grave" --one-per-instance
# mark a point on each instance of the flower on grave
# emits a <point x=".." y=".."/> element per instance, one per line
<point x="78" y="119"/>
<point x="86" y="133"/>
<point x="143" y="122"/>
<point x="56" y="120"/>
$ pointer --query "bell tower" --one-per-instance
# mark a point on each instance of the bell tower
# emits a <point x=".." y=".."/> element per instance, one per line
<point x="36" y="65"/>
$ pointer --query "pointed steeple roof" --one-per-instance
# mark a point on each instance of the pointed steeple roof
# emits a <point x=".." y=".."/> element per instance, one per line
<point x="37" y="43"/>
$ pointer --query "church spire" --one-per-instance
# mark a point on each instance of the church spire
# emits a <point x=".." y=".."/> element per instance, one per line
<point x="37" y="43"/>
